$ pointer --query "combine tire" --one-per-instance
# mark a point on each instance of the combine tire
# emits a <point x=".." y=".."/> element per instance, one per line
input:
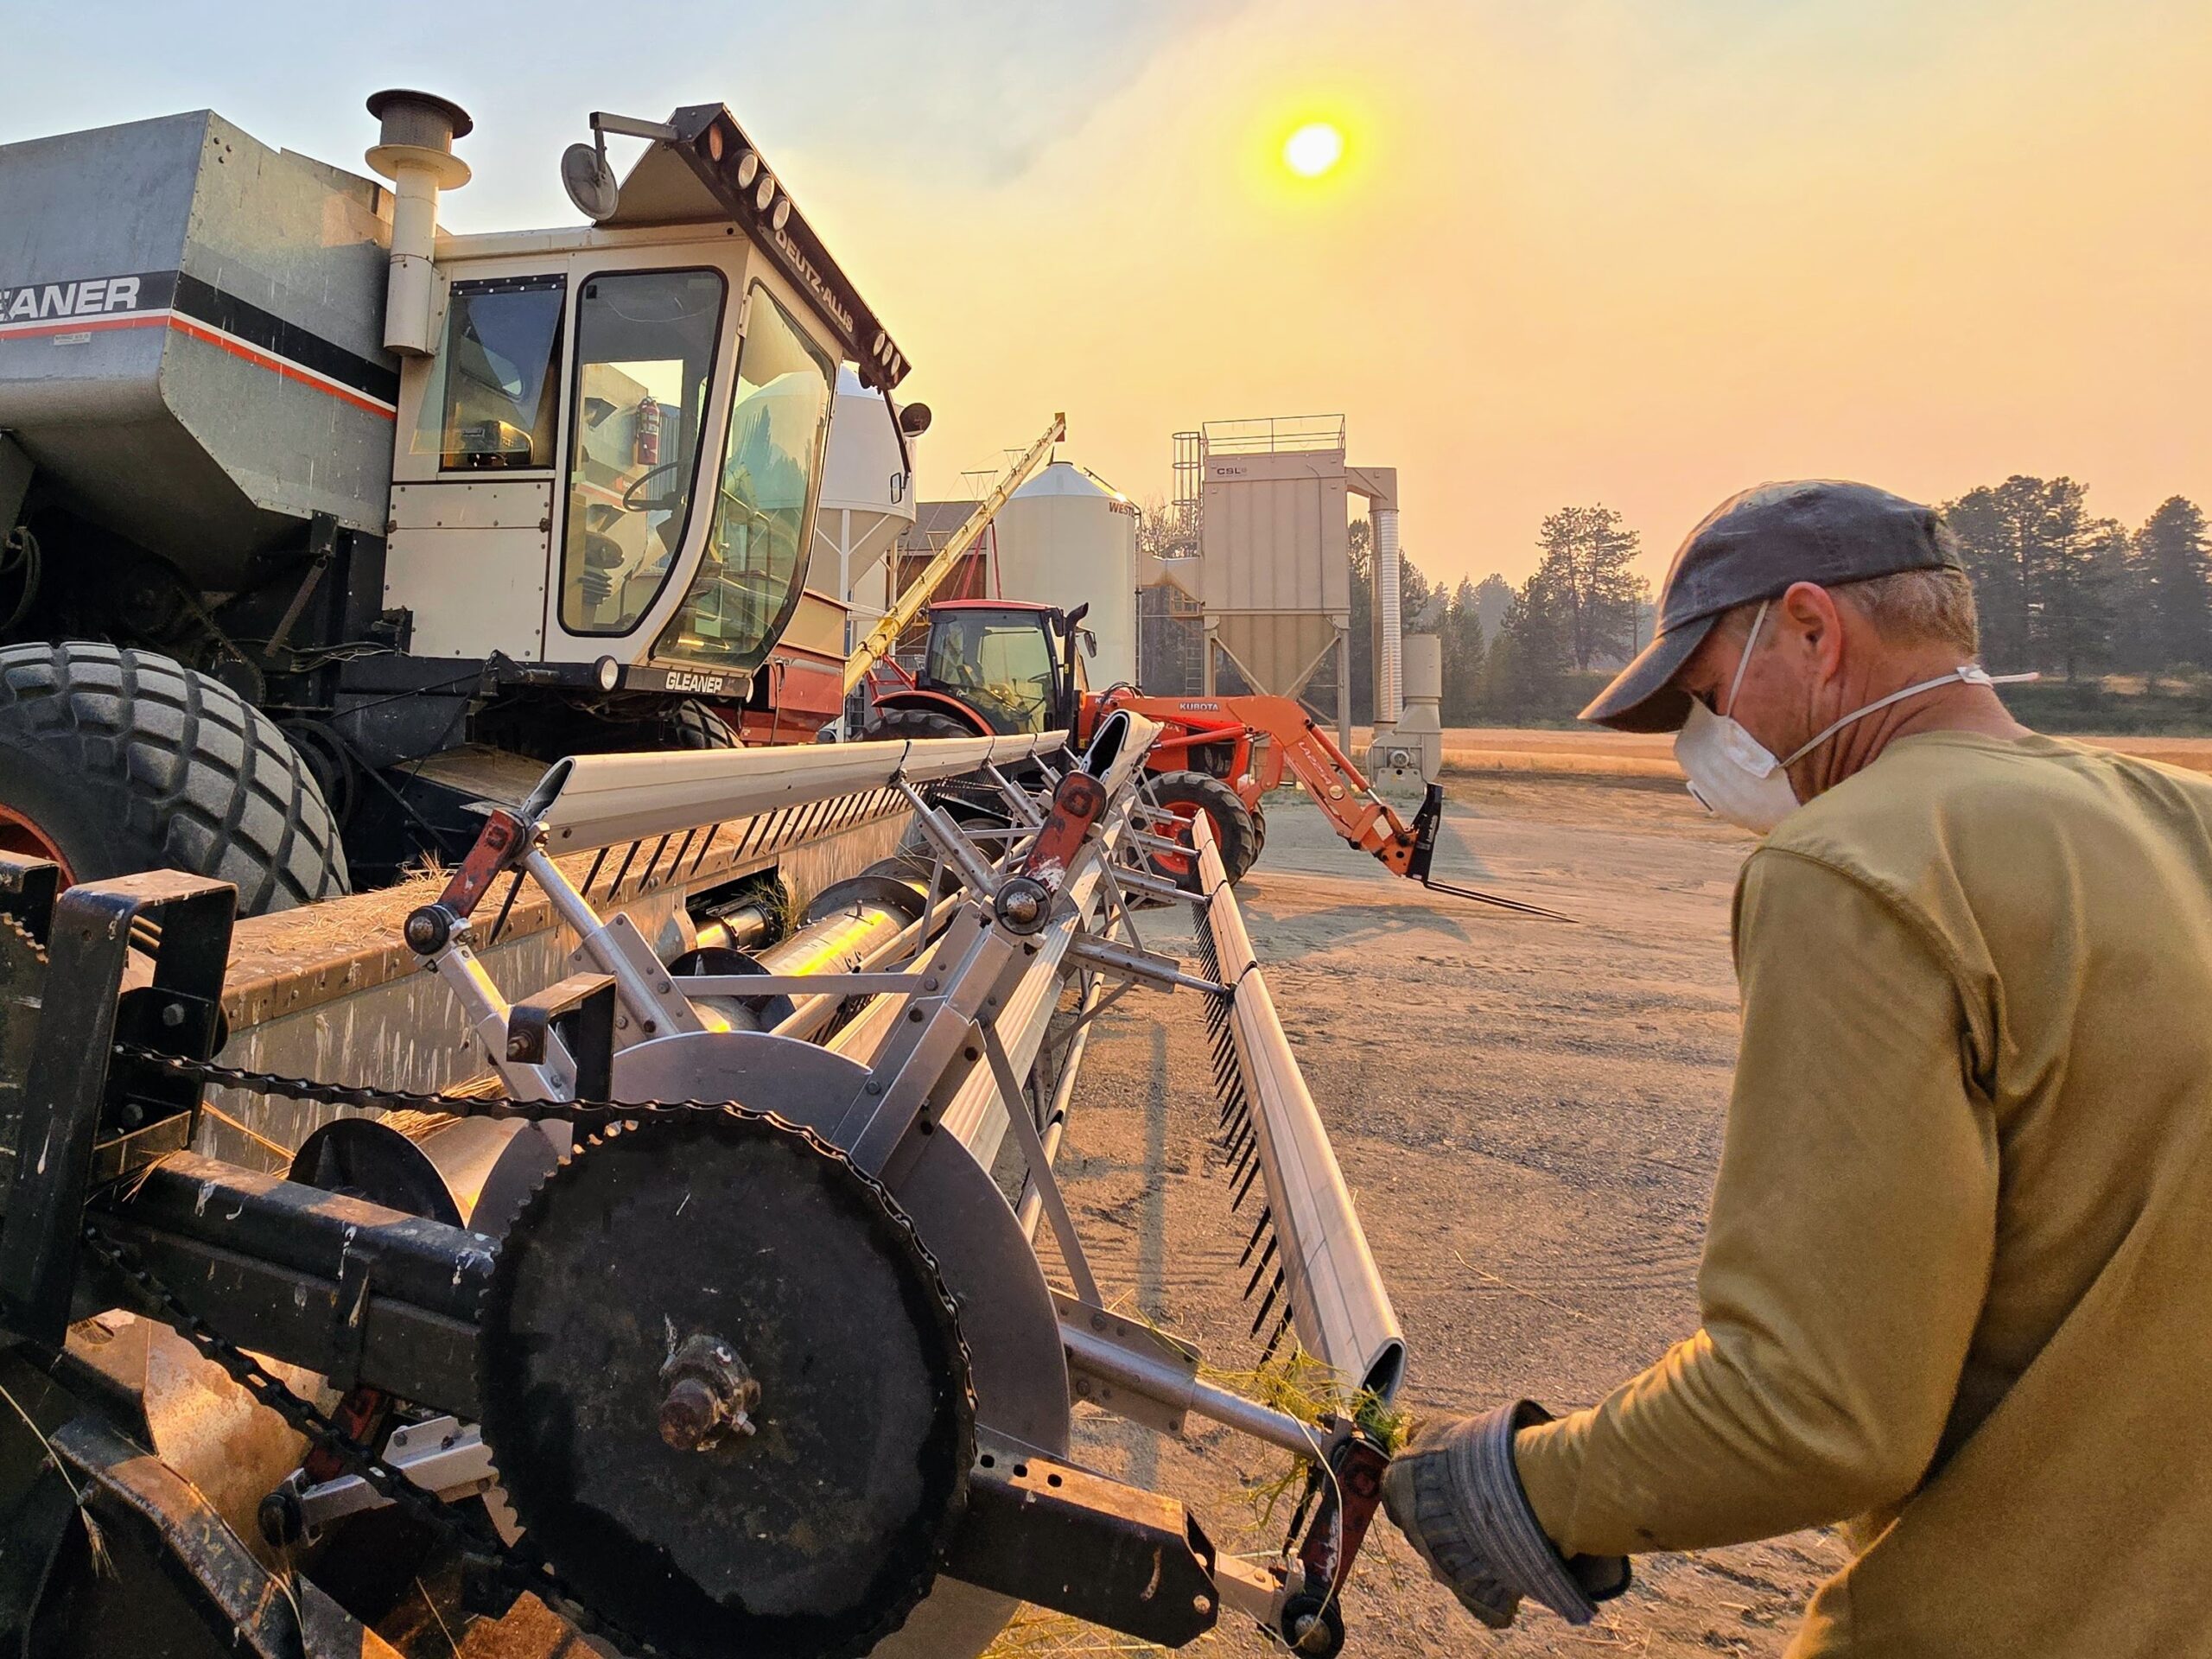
<point x="692" y="725"/>
<point x="1190" y="794"/>
<point x="892" y="724"/>
<point x="114" y="761"/>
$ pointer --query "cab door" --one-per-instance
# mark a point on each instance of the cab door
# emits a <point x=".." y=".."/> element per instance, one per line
<point x="472" y="496"/>
<point x="648" y="340"/>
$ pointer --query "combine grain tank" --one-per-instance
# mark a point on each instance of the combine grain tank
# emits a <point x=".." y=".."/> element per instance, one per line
<point x="190" y="340"/>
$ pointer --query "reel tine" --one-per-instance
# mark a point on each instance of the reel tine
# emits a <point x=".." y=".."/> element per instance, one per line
<point x="1260" y="1266"/>
<point x="1275" y="1290"/>
<point x="1275" y="1341"/>
<point x="1266" y="1220"/>
<point x="1250" y="1175"/>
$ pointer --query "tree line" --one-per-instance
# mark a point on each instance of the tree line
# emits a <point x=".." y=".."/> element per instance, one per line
<point x="2060" y="589"/>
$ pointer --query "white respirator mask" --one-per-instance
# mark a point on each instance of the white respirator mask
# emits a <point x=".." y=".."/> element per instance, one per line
<point x="1734" y="776"/>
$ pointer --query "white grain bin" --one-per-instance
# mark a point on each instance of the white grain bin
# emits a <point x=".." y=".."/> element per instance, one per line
<point x="867" y="498"/>
<point x="1067" y="537"/>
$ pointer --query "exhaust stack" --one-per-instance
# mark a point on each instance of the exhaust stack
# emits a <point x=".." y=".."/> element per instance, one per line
<point x="415" y="151"/>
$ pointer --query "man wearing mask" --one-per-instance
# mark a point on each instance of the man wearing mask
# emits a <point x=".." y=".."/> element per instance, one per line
<point x="1957" y="1283"/>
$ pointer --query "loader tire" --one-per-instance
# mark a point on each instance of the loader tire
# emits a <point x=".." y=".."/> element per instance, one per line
<point x="114" y="761"/>
<point x="898" y="723"/>
<point x="1194" y="794"/>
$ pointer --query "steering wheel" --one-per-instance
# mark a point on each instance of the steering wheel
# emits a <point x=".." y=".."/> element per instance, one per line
<point x="658" y="503"/>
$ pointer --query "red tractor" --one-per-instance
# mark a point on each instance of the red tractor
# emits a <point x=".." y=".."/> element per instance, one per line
<point x="999" y="665"/>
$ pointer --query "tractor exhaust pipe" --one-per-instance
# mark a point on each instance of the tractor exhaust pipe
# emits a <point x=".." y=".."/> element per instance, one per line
<point x="415" y="151"/>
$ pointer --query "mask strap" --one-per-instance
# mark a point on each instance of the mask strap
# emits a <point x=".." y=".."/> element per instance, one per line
<point x="1745" y="661"/>
<point x="1966" y="673"/>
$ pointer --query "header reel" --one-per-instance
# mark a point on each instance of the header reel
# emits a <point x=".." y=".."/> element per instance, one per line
<point x="765" y="1362"/>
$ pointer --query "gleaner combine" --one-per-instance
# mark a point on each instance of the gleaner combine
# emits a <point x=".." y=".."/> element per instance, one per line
<point x="315" y="517"/>
<point x="716" y="1323"/>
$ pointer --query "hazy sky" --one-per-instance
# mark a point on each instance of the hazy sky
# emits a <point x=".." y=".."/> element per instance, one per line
<point x="1578" y="250"/>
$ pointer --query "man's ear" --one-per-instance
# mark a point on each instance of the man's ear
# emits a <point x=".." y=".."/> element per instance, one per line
<point x="1812" y="620"/>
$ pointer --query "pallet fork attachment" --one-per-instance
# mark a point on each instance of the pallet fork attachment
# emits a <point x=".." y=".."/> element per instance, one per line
<point x="1425" y="826"/>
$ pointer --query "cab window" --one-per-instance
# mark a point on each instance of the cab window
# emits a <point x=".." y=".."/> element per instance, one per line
<point x="748" y="580"/>
<point x="1001" y="667"/>
<point x="494" y="395"/>
<point x="644" y="361"/>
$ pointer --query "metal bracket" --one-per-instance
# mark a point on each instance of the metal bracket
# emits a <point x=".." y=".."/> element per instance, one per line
<point x="67" y="1086"/>
<point x="439" y="1455"/>
<point x="1153" y="886"/>
<point x="1165" y="1408"/>
<point x="28" y="887"/>
<point x="1041" y="1165"/>
<point x="951" y="845"/>
<point x="1048" y="1533"/>
<point x="586" y="1001"/>
<point x="1150" y="968"/>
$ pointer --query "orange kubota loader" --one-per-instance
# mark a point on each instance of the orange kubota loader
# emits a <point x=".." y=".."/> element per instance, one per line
<point x="1000" y="665"/>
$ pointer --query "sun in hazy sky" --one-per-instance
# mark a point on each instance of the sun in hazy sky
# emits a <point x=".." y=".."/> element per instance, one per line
<point x="1314" y="149"/>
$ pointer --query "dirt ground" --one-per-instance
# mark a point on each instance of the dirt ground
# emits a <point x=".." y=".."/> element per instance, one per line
<point x="1529" y="1113"/>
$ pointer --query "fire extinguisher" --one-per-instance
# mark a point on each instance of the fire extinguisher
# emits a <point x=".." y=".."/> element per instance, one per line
<point x="648" y="432"/>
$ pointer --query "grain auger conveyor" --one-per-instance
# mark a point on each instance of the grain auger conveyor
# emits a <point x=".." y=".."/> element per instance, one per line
<point x="717" y="1320"/>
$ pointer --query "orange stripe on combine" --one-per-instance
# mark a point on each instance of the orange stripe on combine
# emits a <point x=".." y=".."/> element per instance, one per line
<point x="215" y="337"/>
<point x="284" y="366"/>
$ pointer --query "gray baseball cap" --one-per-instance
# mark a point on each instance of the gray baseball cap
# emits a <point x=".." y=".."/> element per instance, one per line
<point x="1754" y="546"/>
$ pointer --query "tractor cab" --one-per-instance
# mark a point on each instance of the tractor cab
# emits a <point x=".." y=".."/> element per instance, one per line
<point x="999" y="665"/>
<point x="609" y="454"/>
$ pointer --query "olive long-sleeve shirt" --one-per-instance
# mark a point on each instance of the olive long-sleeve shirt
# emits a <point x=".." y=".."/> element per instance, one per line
<point x="1957" y="1280"/>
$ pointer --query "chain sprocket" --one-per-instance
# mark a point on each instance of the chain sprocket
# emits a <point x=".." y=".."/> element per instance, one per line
<point x="674" y="1259"/>
<point x="526" y="1567"/>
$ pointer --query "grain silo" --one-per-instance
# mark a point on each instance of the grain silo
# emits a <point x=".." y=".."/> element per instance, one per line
<point x="1067" y="537"/>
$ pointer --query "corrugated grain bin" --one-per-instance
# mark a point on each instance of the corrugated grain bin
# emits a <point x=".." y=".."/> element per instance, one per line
<point x="1066" y="538"/>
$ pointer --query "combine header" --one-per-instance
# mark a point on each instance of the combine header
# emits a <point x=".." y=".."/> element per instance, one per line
<point x="715" y="1319"/>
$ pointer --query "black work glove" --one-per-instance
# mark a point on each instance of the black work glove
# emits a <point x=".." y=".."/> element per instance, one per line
<point x="1455" y="1494"/>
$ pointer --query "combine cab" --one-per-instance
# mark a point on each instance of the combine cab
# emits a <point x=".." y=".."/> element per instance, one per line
<point x="319" y="521"/>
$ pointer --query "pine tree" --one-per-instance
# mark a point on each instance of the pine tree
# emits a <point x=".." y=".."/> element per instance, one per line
<point x="1531" y="653"/>
<point x="2172" y="565"/>
<point x="1464" y="655"/>
<point x="2081" y="558"/>
<point x="1997" y="527"/>
<point x="2046" y="573"/>
<point x="1594" y="594"/>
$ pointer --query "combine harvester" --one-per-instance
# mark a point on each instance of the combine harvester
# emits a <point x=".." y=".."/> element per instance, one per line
<point x="713" y="1315"/>
<point x="319" y="524"/>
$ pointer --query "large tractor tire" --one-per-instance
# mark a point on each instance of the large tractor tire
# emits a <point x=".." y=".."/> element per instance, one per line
<point x="897" y="723"/>
<point x="114" y="761"/>
<point x="1192" y="795"/>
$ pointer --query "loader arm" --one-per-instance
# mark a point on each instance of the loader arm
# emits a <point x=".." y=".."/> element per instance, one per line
<point x="1285" y="738"/>
<point x="1295" y="742"/>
